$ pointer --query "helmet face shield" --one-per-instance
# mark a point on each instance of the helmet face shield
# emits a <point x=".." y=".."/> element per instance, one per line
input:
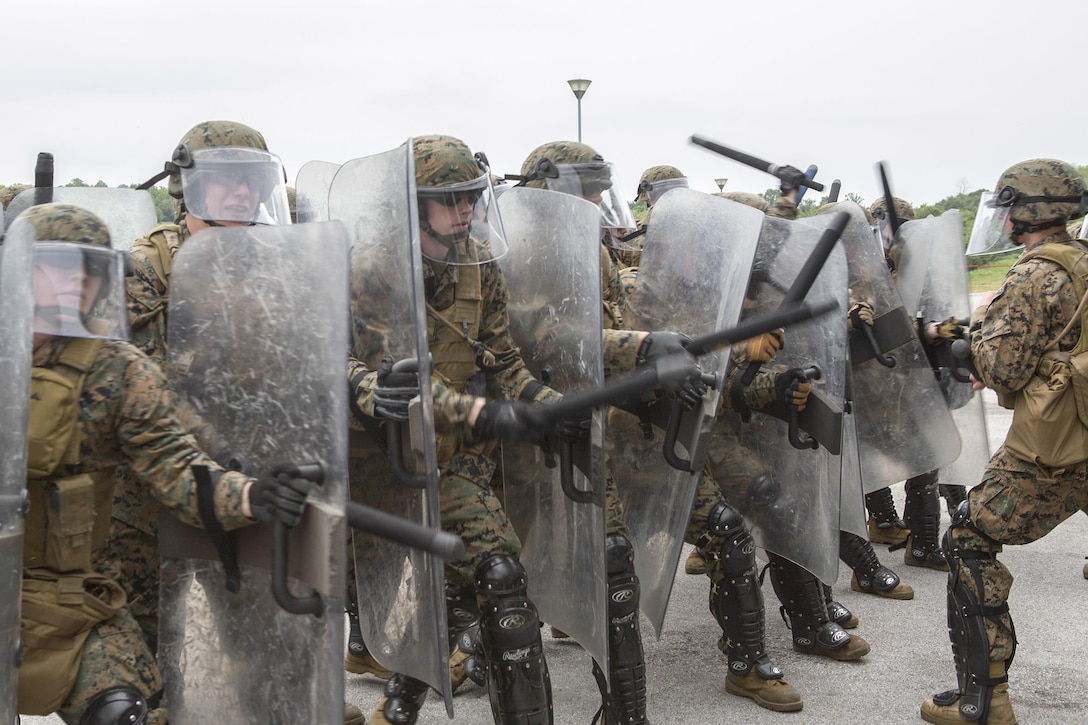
<point x="593" y="182"/>
<point x="655" y="189"/>
<point x="989" y="234"/>
<point x="79" y="291"/>
<point x="464" y="218"/>
<point x="235" y="185"/>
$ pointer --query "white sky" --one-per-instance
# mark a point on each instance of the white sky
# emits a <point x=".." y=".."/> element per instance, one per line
<point x="940" y="90"/>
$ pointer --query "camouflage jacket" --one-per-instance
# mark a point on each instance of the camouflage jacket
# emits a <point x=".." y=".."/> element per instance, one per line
<point x="148" y="292"/>
<point x="126" y="416"/>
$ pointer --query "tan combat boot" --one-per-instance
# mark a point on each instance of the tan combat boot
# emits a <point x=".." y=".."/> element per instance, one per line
<point x="458" y="675"/>
<point x="1000" y="712"/>
<point x="777" y="695"/>
<point x="882" y="585"/>
<point x="696" y="563"/>
<point x="365" y="664"/>
<point x="353" y="715"/>
<point x="892" y="532"/>
<point x="931" y="560"/>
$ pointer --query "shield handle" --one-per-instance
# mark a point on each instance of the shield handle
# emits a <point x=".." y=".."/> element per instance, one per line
<point x="312" y="603"/>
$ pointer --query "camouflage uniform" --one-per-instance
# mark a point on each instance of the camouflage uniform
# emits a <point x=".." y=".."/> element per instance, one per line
<point x="1017" y="501"/>
<point x="125" y="416"/>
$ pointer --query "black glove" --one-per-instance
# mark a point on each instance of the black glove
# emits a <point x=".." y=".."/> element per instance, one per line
<point x="573" y="429"/>
<point x="792" y="388"/>
<point x="510" y="421"/>
<point x="658" y="345"/>
<point x="280" y="496"/>
<point x="394" y="391"/>
<point x="791" y="178"/>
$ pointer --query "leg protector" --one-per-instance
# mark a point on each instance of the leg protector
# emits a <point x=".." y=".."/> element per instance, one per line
<point x="115" y="706"/>
<point x="736" y="600"/>
<point x="358" y="660"/>
<point x="626" y="702"/>
<point x="805" y="612"/>
<point x="953" y="496"/>
<point x="870" y="576"/>
<point x="922" y="514"/>
<point x="403" y="698"/>
<point x="885" y="526"/>
<point x="966" y="628"/>
<point x="837" y="612"/>
<point x="466" y="652"/>
<point x="519" y="685"/>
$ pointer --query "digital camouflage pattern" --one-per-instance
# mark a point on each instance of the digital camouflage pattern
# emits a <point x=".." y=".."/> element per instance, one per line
<point x="747" y="198"/>
<point x="214" y="135"/>
<point x="442" y="161"/>
<point x="10" y="192"/>
<point x="557" y="152"/>
<point x="1017" y="502"/>
<point x="1058" y="181"/>
<point x="67" y="223"/>
<point x="654" y="174"/>
<point x="879" y="209"/>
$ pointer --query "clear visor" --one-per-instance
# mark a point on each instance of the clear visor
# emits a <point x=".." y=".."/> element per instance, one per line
<point x="658" y="188"/>
<point x="236" y="186"/>
<point x="79" y="291"/>
<point x="464" y="219"/>
<point x="594" y="182"/>
<point x="988" y="235"/>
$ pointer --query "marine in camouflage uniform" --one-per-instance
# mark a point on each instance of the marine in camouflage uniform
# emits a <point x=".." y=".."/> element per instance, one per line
<point x="1017" y="501"/>
<point x="125" y="416"/>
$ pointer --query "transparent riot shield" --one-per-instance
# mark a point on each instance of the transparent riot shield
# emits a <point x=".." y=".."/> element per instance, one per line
<point x="692" y="277"/>
<point x="796" y="511"/>
<point x="129" y="213"/>
<point x="903" y="425"/>
<point x="258" y="343"/>
<point x="16" y="315"/>
<point x="932" y="280"/>
<point x="853" y="517"/>
<point x="312" y="190"/>
<point x="402" y="601"/>
<point x="552" y="271"/>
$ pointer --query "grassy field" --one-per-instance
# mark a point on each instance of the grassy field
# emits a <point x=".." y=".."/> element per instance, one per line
<point x="988" y="274"/>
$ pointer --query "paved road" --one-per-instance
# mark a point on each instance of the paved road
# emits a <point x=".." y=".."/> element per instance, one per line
<point x="910" y="658"/>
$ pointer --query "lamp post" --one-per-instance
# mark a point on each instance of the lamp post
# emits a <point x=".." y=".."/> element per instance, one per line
<point x="579" y="86"/>
<point x="720" y="183"/>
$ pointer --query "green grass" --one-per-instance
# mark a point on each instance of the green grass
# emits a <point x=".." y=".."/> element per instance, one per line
<point x="985" y="274"/>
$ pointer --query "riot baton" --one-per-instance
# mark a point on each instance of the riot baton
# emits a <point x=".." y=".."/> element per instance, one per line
<point x="402" y="531"/>
<point x="676" y="367"/>
<point x="755" y="162"/>
<point x="810" y="174"/>
<point x="833" y="195"/>
<point x="893" y="219"/>
<point x="807" y="276"/>
<point x="43" y="179"/>
<point x="961" y="350"/>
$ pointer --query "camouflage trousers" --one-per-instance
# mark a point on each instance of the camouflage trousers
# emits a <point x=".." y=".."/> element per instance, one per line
<point x="1011" y="507"/>
<point x="115" y="654"/>
<point x="131" y="558"/>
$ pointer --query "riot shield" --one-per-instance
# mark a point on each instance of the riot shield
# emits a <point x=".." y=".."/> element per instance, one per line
<point x="932" y="280"/>
<point x="903" y="425"/>
<point x="552" y="270"/>
<point x="692" y="277"/>
<point x="796" y="512"/>
<point x="402" y="600"/>
<point x="853" y="517"/>
<point x="16" y="315"/>
<point x="258" y="347"/>
<point x="312" y="191"/>
<point x="129" y="213"/>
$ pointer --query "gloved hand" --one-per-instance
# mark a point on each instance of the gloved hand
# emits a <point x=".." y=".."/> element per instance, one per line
<point x="763" y="347"/>
<point x="280" y="496"/>
<point x="510" y="421"/>
<point x="860" y="314"/>
<point x="394" y="391"/>
<point x="792" y="388"/>
<point x="951" y="329"/>
<point x="662" y="344"/>
<point x="791" y="179"/>
<point x="574" y="428"/>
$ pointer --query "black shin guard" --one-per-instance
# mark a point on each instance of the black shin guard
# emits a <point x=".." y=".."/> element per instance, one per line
<point x="860" y="556"/>
<point x="922" y="514"/>
<point x="736" y="600"/>
<point x="404" y="696"/>
<point x="967" y="628"/>
<point x="882" y="507"/>
<point x="356" y="644"/>
<point x="953" y="496"/>
<point x="115" y="706"/>
<point x="803" y="606"/>
<point x="625" y="702"/>
<point x="518" y="682"/>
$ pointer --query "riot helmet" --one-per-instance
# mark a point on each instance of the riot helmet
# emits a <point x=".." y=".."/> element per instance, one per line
<point x="1032" y="195"/>
<point x="656" y="180"/>
<point x="879" y="211"/>
<point x="575" y="168"/>
<point x="747" y="198"/>
<point x="223" y="172"/>
<point x="456" y="202"/>
<point x="78" y="279"/>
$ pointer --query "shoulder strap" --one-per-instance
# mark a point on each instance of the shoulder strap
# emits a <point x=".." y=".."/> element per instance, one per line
<point x="162" y="244"/>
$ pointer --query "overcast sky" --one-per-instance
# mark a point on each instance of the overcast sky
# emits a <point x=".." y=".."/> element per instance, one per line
<point x="941" y="91"/>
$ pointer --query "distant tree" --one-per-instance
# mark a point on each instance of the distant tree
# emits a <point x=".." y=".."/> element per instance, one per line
<point x="856" y="198"/>
<point x="77" y="182"/>
<point x="101" y="184"/>
<point x="770" y="196"/>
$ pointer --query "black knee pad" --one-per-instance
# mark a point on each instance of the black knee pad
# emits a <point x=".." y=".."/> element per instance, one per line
<point x="116" y="706"/>
<point x="735" y="547"/>
<point x="763" y="490"/>
<point x="461" y="609"/>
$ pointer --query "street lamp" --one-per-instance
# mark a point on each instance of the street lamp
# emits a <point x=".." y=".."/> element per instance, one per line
<point x="579" y="86"/>
<point x="720" y="183"/>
